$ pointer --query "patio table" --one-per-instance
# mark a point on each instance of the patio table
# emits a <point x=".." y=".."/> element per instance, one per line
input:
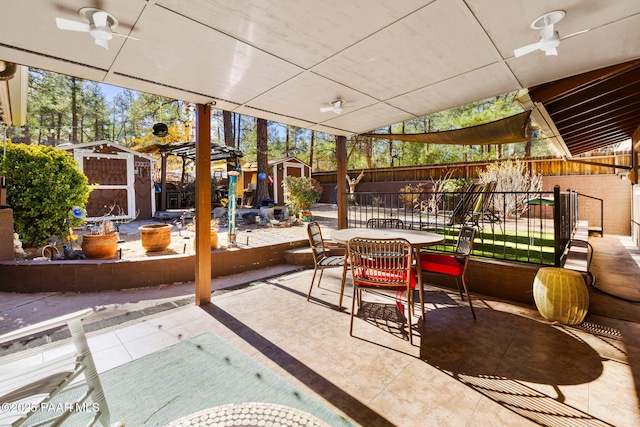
<point x="417" y="240"/>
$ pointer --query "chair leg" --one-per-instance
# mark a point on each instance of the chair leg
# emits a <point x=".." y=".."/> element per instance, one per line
<point x="353" y="308"/>
<point x="409" y="309"/>
<point x="466" y="290"/>
<point x="344" y="279"/>
<point x="459" y="287"/>
<point x="315" y="270"/>
<point x="320" y="278"/>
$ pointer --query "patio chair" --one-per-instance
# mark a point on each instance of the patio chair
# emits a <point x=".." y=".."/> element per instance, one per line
<point x="382" y="264"/>
<point x="482" y="211"/>
<point x="464" y="208"/>
<point x="28" y="383"/>
<point x="322" y="254"/>
<point x="453" y="265"/>
<point x="384" y="223"/>
<point x="459" y="215"/>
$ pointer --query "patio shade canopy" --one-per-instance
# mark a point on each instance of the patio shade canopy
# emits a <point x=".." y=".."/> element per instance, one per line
<point x="187" y="150"/>
<point x="504" y="131"/>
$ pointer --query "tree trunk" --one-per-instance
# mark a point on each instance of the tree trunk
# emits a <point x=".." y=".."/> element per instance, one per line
<point x="227" y="124"/>
<point x="391" y="148"/>
<point x="238" y="131"/>
<point x="59" y="127"/>
<point x="286" y="141"/>
<point x="313" y="139"/>
<point x="81" y="129"/>
<point x="74" y="110"/>
<point x="262" y="187"/>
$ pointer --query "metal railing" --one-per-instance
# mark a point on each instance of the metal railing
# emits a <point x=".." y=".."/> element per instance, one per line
<point x="530" y="227"/>
<point x="593" y="227"/>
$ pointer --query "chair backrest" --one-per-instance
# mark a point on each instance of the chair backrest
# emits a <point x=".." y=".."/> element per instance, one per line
<point x="384" y="263"/>
<point x="484" y="200"/>
<point x="28" y="385"/>
<point x="316" y="241"/>
<point x="465" y="241"/>
<point x="465" y="206"/>
<point x="384" y="223"/>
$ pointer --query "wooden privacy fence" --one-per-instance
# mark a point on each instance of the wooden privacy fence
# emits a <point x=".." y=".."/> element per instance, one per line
<point x="594" y="165"/>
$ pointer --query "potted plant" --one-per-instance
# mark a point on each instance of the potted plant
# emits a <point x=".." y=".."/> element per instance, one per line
<point x="214" y="226"/>
<point x="155" y="237"/>
<point x="301" y="193"/>
<point x="102" y="241"/>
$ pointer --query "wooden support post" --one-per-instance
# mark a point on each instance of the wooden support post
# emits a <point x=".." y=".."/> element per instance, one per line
<point x="203" y="204"/>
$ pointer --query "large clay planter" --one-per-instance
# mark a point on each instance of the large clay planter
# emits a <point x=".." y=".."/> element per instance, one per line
<point x="214" y="240"/>
<point x="100" y="246"/>
<point x="155" y="237"/>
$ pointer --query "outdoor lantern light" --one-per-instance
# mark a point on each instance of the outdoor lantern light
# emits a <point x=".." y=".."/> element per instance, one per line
<point x="160" y="130"/>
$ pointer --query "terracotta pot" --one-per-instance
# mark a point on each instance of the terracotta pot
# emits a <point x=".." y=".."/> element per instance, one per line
<point x="100" y="246"/>
<point x="155" y="237"/>
<point x="214" y="240"/>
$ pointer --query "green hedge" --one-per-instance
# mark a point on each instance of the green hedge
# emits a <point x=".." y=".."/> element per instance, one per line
<point x="43" y="185"/>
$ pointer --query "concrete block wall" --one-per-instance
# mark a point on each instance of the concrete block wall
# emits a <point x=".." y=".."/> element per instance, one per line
<point x="116" y="274"/>
<point x="615" y="192"/>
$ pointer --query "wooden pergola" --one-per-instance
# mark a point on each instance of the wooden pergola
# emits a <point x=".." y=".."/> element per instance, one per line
<point x="186" y="150"/>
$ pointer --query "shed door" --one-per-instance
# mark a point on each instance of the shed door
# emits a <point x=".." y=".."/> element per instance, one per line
<point x="114" y="175"/>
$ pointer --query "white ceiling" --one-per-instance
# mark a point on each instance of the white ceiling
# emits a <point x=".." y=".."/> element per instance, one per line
<point x="390" y="60"/>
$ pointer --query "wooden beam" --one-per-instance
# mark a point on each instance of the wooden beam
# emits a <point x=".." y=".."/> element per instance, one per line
<point x="553" y="91"/>
<point x="203" y="204"/>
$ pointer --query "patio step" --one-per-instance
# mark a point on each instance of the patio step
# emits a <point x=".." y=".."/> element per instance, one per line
<point x="299" y="256"/>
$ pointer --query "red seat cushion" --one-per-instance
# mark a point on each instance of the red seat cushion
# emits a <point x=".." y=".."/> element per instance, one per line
<point x="443" y="264"/>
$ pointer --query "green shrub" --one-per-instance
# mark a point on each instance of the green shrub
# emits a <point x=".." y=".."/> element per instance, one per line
<point x="301" y="193"/>
<point x="44" y="184"/>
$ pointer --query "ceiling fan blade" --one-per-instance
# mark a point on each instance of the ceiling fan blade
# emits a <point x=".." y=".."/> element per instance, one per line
<point x="526" y="49"/>
<point x="326" y="109"/>
<point x="100" y="19"/>
<point x="551" y="52"/>
<point x="67" y="24"/>
<point x="103" y="43"/>
<point x="574" y="34"/>
<point x="124" y="35"/>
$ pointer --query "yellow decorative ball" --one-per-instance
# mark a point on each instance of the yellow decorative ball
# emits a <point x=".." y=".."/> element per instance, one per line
<point x="561" y="295"/>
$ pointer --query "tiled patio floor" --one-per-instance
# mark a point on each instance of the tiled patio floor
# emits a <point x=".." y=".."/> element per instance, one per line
<point x="510" y="367"/>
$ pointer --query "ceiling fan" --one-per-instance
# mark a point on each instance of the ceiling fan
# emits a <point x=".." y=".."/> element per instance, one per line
<point x="549" y="37"/>
<point x="336" y="106"/>
<point x="99" y="25"/>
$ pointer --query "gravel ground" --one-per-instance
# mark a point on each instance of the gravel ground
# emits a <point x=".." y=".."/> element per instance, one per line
<point x="182" y="239"/>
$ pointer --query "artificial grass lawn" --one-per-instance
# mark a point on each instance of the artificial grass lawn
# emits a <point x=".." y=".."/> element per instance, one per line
<point x="510" y="245"/>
